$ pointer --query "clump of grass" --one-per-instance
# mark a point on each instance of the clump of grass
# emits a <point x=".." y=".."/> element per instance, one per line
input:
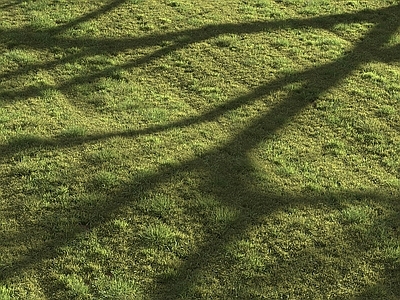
<point x="104" y="156"/>
<point x="387" y="111"/>
<point x="5" y="293"/>
<point x="105" y="180"/>
<point x="393" y="253"/>
<point x="118" y="289"/>
<point x="121" y="224"/>
<point x="159" y="205"/>
<point x="357" y="215"/>
<point x="223" y="216"/>
<point x="336" y="148"/>
<point x="76" y="286"/>
<point x="74" y="132"/>
<point x="226" y="42"/>
<point x="160" y="235"/>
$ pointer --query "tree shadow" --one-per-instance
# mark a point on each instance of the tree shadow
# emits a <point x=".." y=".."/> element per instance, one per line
<point x="226" y="170"/>
<point x="10" y="4"/>
<point x="47" y="39"/>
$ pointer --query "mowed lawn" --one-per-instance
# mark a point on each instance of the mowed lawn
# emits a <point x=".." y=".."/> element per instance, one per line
<point x="199" y="149"/>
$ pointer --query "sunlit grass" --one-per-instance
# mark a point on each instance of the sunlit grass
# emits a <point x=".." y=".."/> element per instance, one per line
<point x="199" y="150"/>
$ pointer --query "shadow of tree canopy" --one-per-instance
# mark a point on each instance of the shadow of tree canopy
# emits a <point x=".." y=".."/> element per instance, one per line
<point x="226" y="171"/>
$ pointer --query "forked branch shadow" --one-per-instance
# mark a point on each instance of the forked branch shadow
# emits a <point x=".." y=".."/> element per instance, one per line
<point x="50" y="38"/>
<point x="228" y="162"/>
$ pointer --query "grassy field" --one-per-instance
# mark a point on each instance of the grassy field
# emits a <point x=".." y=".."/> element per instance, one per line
<point x="199" y="149"/>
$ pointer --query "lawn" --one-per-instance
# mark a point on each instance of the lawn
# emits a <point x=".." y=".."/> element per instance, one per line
<point x="199" y="149"/>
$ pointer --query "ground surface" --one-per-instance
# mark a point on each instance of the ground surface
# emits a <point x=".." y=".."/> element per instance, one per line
<point x="199" y="149"/>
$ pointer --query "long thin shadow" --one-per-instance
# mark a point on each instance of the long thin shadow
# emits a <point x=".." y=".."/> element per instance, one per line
<point x="216" y="163"/>
<point x="319" y="81"/>
<point x="10" y="4"/>
<point x="89" y="16"/>
<point x="362" y="53"/>
<point x="46" y="39"/>
<point x="179" y="40"/>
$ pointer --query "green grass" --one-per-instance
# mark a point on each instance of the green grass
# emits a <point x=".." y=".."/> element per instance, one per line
<point x="199" y="150"/>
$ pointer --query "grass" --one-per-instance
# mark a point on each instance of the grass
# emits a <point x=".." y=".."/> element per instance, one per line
<point x="199" y="150"/>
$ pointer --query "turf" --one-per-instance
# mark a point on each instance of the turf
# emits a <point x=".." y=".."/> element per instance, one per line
<point x="199" y="149"/>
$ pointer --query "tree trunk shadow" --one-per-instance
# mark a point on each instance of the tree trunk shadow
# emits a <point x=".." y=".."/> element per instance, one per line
<point x="228" y="164"/>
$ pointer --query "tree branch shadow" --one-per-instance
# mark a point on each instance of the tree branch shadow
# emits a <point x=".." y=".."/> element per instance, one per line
<point x="229" y="161"/>
<point x="10" y="4"/>
<point x="49" y="38"/>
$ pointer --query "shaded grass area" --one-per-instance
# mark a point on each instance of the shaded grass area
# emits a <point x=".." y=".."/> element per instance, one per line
<point x="188" y="150"/>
